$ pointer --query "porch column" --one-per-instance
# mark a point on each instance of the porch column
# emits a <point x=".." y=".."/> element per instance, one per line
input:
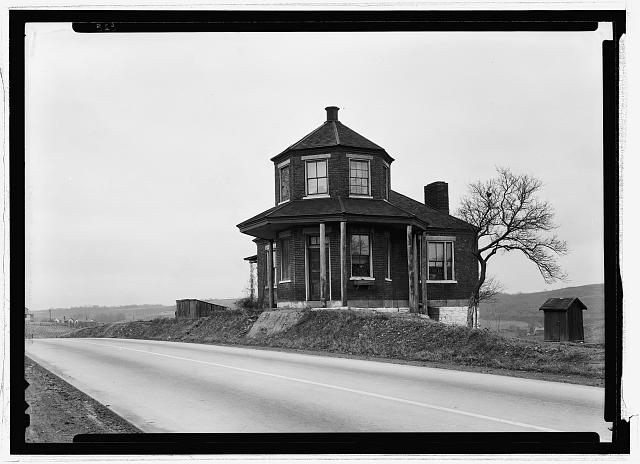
<point x="343" y="263"/>
<point x="411" y="279"/>
<point x="323" y="267"/>
<point x="423" y="272"/>
<point x="416" y="276"/>
<point x="270" y="273"/>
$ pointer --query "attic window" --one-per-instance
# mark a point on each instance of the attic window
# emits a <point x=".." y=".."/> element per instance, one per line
<point x="317" y="177"/>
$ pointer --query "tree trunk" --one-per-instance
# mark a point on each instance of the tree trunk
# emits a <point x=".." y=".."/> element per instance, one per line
<point x="474" y="299"/>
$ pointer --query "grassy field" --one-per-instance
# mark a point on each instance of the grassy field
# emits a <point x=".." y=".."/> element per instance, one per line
<point x="46" y="330"/>
<point x="380" y="335"/>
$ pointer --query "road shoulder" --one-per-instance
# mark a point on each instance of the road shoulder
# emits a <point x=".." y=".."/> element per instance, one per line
<point x="58" y="411"/>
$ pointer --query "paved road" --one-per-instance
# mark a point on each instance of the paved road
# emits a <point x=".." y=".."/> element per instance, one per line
<point x="184" y="387"/>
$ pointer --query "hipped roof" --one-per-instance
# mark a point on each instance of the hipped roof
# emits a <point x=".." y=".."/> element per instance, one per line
<point x="333" y="134"/>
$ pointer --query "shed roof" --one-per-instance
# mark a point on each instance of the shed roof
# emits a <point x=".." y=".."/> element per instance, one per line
<point x="562" y="304"/>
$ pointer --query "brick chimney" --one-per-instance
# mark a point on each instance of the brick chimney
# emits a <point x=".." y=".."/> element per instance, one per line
<point x="436" y="196"/>
<point x="332" y="113"/>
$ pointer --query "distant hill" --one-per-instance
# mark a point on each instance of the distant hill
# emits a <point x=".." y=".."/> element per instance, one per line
<point x="513" y="314"/>
<point x="119" y="313"/>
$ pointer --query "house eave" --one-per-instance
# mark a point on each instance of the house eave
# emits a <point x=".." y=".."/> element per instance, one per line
<point x="268" y="228"/>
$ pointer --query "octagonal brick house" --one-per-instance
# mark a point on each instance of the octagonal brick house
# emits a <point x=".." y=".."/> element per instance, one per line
<point x="339" y="236"/>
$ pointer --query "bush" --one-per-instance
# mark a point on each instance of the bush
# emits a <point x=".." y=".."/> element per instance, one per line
<point x="248" y="303"/>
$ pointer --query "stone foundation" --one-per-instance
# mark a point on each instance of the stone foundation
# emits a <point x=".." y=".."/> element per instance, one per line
<point x="452" y="315"/>
<point x="391" y="305"/>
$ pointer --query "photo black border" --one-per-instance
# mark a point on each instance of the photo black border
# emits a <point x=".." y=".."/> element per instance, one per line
<point x="115" y="21"/>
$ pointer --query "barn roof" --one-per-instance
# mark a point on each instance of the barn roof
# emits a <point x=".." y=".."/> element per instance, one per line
<point x="561" y="304"/>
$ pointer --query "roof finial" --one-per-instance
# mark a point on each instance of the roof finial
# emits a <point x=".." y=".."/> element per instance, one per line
<point x="332" y="113"/>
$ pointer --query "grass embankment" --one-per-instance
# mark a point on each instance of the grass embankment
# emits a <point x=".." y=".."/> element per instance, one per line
<point x="381" y="335"/>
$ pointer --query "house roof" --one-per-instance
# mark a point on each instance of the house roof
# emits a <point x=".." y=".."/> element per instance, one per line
<point x="330" y="208"/>
<point x="332" y="133"/>
<point x="561" y="304"/>
<point x="399" y="208"/>
<point x="431" y="216"/>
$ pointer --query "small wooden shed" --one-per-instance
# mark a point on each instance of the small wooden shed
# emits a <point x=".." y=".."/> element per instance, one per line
<point x="563" y="319"/>
<point x="193" y="309"/>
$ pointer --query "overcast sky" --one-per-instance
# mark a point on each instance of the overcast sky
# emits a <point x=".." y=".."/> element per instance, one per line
<point x="145" y="150"/>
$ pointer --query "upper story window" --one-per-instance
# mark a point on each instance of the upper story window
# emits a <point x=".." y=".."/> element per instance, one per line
<point x="440" y="259"/>
<point x="385" y="173"/>
<point x="359" y="178"/>
<point x="317" y="177"/>
<point x="285" y="185"/>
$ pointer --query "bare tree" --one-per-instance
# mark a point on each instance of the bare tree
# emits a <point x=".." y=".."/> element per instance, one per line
<point x="509" y="217"/>
<point x="490" y="288"/>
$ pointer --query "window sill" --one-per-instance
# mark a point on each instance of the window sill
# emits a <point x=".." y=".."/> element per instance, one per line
<point x="353" y="195"/>
<point x="283" y="202"/>
<point x="362" y="278"/>
<point x="388" y="280"/>
<point x="320" y="195"/>
<point x="442" y="281"/>
<point x="284" y="281"/>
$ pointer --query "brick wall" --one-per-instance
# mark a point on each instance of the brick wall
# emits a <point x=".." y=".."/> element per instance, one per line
<point x="450" y="294"/>
<point x="338" y="173"/>
<point x="466" y="268"/>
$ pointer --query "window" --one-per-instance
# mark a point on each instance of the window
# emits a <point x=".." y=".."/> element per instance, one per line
<point x="388" y="274"/>
<point x="385" y="173"/>
<point x="359" y="177"/>
<point x="284" y="184"/>
<point x="285" y="263"/>
<point x="317" y="177"/>
<point x="440" y="257"/>
<point x="360" y="256"/>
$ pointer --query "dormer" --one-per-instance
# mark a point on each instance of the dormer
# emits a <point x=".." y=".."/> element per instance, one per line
<point x="332" y="161"/>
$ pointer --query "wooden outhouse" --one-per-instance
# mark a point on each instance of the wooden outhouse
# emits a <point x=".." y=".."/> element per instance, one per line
<point x="563" y="319"/>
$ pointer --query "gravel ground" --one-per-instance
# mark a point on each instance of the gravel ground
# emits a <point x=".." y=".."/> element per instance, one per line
<point x="58" y="411"/>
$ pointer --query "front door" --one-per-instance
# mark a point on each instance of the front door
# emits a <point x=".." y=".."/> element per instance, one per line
<point x="313" y="261"/>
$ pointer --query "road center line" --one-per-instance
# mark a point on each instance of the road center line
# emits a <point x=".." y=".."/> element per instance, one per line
<point x="337" y="387"/>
